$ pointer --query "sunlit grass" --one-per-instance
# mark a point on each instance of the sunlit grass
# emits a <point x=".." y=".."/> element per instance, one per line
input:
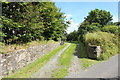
<point x="88" y="62"/>
<point x="64" y="62"/>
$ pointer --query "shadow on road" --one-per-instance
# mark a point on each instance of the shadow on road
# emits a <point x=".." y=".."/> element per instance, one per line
<point x="80" y="51"/>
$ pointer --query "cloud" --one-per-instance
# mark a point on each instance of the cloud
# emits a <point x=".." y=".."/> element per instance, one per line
<point x="115" y="19"/>
<point x="73" y="26"/>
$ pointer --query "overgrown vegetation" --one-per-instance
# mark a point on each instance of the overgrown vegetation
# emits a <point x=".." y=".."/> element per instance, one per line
<point x="64" y="62"/>
<point x="108" y="42"/>
<point x="111" y="29"/>
<point x="27" y="71"/>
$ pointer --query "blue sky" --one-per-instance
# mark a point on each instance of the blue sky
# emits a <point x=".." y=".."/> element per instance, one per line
<point x="78" y="10"/>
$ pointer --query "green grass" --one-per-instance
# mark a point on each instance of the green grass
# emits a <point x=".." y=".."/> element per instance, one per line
<point x="86" y="62"/>
<point x="64" y="62"/>
<point x="27" y="71"/>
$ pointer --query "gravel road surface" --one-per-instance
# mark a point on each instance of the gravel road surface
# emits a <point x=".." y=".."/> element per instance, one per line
<point x="46" y="70"/>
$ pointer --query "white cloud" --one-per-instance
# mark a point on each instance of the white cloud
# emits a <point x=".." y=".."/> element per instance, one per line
<point x="115" y="19"/>
<point x="73" y="26"/>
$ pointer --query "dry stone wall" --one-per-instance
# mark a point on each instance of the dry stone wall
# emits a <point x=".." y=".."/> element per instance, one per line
<point x="12" y="61"/>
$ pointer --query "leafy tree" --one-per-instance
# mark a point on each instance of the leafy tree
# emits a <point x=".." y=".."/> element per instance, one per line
<point x="86" y="27"/>
<point x="99" y="16"/>
<point x="28" y="21"/>
<point x="54" y="22"/>
<point x="73" y="36"/>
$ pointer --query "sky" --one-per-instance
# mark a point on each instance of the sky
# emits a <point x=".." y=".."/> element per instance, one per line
<point x="78" y="10"/>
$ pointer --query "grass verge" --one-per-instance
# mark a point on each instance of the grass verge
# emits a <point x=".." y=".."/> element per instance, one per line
<point x="5" y="48"/>
<point x="86" y="62"/>
<point x="64" y="62"/>
<point x="27" y="71"/>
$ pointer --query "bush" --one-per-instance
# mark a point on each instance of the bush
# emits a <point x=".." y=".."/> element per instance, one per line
<point x="110" y="29"/>
<point x="108" y="42"/>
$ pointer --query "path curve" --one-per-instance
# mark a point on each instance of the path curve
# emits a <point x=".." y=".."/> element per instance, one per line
<point x="46" y="70"/>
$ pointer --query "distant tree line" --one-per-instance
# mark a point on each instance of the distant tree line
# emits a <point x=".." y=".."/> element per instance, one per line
<point x="28" y="21"/>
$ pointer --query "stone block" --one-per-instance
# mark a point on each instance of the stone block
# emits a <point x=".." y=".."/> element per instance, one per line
<point x="94" y="51"/>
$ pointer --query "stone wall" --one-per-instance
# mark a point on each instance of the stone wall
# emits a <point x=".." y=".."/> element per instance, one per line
<point x="12" y="61"/>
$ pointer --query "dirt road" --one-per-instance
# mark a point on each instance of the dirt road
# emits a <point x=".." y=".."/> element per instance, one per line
<point x="46" y="70"/>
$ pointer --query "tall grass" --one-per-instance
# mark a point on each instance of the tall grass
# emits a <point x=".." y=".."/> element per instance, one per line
<point x="108" y="42"/>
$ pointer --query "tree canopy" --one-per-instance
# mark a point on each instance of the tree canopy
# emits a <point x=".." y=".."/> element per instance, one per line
<point x="28" y="21"/>
<point x="99" y="16"/>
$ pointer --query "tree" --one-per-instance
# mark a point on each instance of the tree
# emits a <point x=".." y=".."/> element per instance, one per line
<point x="54" y="23"/>
<point x="99" y="16"/>
<point x="73" y="36"/>
<point x="29" y="21"/>
<point x="86" y="27"/>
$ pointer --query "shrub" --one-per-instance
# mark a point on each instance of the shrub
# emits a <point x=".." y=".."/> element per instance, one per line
<point x="108" y="42"/>
<point x="110" y="29"/>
